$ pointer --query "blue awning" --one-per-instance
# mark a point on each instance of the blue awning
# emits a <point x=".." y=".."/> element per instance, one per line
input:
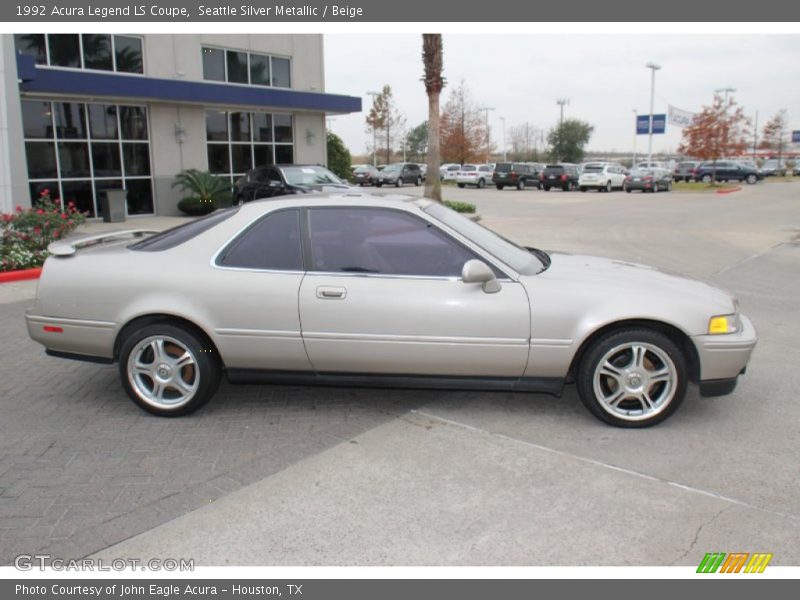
<point x="43" y="80"/>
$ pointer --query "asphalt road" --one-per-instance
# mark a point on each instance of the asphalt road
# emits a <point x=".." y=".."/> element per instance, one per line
<point x="462" y="478"/>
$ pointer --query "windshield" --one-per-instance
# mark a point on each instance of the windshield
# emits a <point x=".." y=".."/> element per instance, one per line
<point x="310" y="176"/>
<point x="516" y="257"/>
<point x="469" y="168"/>
<point x="391" y="168"/>
<point x="362" y="169"/>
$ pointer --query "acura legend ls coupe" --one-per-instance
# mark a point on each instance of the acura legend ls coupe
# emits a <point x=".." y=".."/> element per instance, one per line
<point x="361" y="290"/>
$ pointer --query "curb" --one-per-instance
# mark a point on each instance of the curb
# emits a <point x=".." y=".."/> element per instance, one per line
<point x="22" y="275"/>
<point x="738" y="188"/>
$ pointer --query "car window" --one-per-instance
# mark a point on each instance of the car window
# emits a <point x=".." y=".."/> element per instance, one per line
<point x="183" y="233"/>
<point x="271" y="243"/>
<point x="381" y="241"/>
<point x="309" y="176"/>
<point x="484" y="168"/>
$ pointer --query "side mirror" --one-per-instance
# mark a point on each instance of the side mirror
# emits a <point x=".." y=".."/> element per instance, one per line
<point x="477" y="271"/>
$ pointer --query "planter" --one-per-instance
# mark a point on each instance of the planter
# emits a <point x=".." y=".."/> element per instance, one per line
<point x="729" y="190"/>
<point x="22" y="275"/>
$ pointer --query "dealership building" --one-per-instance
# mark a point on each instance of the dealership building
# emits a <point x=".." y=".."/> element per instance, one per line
<point x="83" y="114"/>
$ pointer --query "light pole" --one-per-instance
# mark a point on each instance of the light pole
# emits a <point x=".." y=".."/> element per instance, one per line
<point x="726" y="91"/>
<point x="488" y="135"/>
<point x="374" y="133"/>
<point x="653" y="68"/>
<point x="505" y="155"/>
<point x="635" y="134"/>
<point x="561" y="102"/>
<point x="725" y="126"/>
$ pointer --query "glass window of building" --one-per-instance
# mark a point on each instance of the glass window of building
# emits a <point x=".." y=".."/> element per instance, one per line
<point x="236" y="66"/>
<point x="239" y="141"/>
<point x="96" y="51"/>
<point x="78" y="150"/>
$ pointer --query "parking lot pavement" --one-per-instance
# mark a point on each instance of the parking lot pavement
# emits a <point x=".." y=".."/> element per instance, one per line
<point x="395" y="477"/>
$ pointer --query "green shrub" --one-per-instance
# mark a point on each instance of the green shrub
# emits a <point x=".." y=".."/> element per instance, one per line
<point x="461" y="207"/>
<point x="26" y="233"/>
<point x="206" y="192"/>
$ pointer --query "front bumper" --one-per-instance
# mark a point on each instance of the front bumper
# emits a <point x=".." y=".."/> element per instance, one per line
<point x="724" y="357"/>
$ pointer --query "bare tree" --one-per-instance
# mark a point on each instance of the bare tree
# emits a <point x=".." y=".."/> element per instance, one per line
<point x="432" y="54"/>
<point x="385" y="120"/>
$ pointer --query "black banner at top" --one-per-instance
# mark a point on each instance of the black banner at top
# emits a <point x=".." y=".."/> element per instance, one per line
<point x="419" y="11"/>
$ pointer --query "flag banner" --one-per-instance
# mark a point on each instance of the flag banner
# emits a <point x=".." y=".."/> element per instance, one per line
<point x="680" y="118"/>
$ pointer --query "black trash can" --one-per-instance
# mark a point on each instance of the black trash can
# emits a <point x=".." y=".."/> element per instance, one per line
<point x="113" y="203"/>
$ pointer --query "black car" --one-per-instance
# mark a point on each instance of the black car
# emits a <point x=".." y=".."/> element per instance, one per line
<point x="365" y="175"/>
<point x="648" y="180"/>
<point x="518" y="175"/>
<point x="564" y="176"/>
<point x="726" y="170"/>
<point x="398" y="174"/>
<point x="281" y="180"/>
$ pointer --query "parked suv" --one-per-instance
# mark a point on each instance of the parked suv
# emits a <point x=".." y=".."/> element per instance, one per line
<point x="282" y="180"/>
<point x="773" y="167"/>
<point x="683" y="172"/>
<point x="563" y="175"/>
<point x="726" y="170"/>
<point x="477" y="175"/>
<point x="518" y="175"/>
<point x="602" y="177"/>
<point x="399" y="173"/>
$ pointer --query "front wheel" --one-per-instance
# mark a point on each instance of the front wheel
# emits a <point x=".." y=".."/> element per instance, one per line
<point x="499" y="186"/>
<point x="168" y="370"/>
<point x="706" y="178"/>
<point x="481" y="184"/>
<point x="751" y="179"/>
<point x="418" y="181"/>
<point x="632" y="378"/>
<point x="461" y="185"/>
<point x="608" y="187"/>
<point x="521" y="184"/>
<point x="398" y="182"/>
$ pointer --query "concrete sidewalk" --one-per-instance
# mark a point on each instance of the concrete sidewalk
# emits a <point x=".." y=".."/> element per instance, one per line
<point x="422" y="490"/>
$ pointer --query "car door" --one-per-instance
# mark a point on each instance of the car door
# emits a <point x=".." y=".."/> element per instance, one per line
<point x="383" y="295"/>
<point x="252" y="299"/>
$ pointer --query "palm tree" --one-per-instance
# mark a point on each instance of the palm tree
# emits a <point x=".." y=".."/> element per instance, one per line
<point x="434" y="82"/>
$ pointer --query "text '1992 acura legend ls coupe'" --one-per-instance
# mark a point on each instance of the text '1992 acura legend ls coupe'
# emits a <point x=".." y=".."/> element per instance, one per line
<point x="358" y="290"/>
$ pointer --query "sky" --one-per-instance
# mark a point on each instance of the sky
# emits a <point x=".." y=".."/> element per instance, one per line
<point x="604" y="77"/>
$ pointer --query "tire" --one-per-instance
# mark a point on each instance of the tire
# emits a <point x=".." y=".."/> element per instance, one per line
<point x="669" y="186"/>
<point x="499" y="186"/>
<point x="706" y="178"/>
<point x="628" y="190"/>
<point x="751" y="179"/>
<point x="608" y="187"/>
<point x="398" y="182"/>
<point x="418" y="181"/>
<point x="546" y="188"/>
<point x="583" y="188"/>
<point x="149" y="355"/>
<point x="378" y="184"/>
<point x="481" y="184"/>
<point x="521" y="184"/>
<point x="461" y="185"/>
<point x="622" y="393"/>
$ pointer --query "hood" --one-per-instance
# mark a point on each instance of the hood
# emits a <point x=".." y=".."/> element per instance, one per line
<point x="622" y="277"/>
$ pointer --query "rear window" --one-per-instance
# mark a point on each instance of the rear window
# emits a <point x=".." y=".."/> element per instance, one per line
<point x="469" y="168"/>
<point x="592" y="169"/>
<point x="554" y="167"/>
<point x="183" y="233"/>
<point x="503" y="167"/>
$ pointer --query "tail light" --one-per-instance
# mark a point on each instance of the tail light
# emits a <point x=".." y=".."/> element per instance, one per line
<point x="694" y="171"/>
<point x="564" y="177"/>
<point x="648" y="178"/>
<point x="628" y="178"/>
<point x="541" y="177"/>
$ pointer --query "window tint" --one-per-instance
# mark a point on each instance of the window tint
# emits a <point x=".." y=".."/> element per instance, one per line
<point x="213" y="64"/>
<point x="97" y="52"/>
<point x="65" y="50"/>
<point x="366" y="240"/>
<point x="128" y="51"/>
<point x="183" y="233"/>
<point x="281" y="72"/>
<point x="273" y="243"/>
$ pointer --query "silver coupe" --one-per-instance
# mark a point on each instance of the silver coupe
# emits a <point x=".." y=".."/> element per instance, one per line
<point x="358" y="290"/>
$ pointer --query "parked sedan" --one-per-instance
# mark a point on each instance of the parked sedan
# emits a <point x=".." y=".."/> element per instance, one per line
<point x="365" y="175"/>
<point x="353" y="289"/>
<point x="477" y="175"/>
<point x="648" y="180"/>
<point x="282" y="180"/>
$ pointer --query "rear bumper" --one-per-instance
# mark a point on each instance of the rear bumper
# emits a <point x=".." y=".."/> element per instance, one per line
<point x="724" y="357"/>
<point x="74" y="337"/>
<point x="718" y="387"/>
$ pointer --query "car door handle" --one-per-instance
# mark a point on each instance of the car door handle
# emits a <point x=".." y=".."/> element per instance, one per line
<point x="331" y="293"/>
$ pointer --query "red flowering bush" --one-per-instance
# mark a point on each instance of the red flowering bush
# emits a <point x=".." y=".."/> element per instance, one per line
<point x="26" y="233"/>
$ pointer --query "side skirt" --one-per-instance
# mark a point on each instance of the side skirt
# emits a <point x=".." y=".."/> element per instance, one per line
<point x="549" y="385"/>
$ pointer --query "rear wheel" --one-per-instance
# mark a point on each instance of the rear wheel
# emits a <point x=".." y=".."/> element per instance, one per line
<point x="751" y="179"/>
<point x="418" y="181"/>
<point x="168" y="370"/>
<point x="632" y="378"/>
<point x="608" y="187"/>
<point x="481" y="184"/>
<point x="398" y="182"/>
<point x="499" y="186"/>
<point x="583" y="188"/>
<point x="546" y="188"/>
<point x="521" y="184"/>
<point x="706" y="178"/>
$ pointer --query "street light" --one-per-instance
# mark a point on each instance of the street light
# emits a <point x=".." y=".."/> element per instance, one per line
<point x="374" y="133"/>
<point x="653" y="68"/>
<point x="726" y="91"/>
<point x="488" y="135"/>
<point x="561" y="102"/>
<point x="505" y="155"/>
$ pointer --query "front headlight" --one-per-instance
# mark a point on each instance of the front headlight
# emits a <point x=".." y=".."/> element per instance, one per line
<point x="722" y="324"/>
